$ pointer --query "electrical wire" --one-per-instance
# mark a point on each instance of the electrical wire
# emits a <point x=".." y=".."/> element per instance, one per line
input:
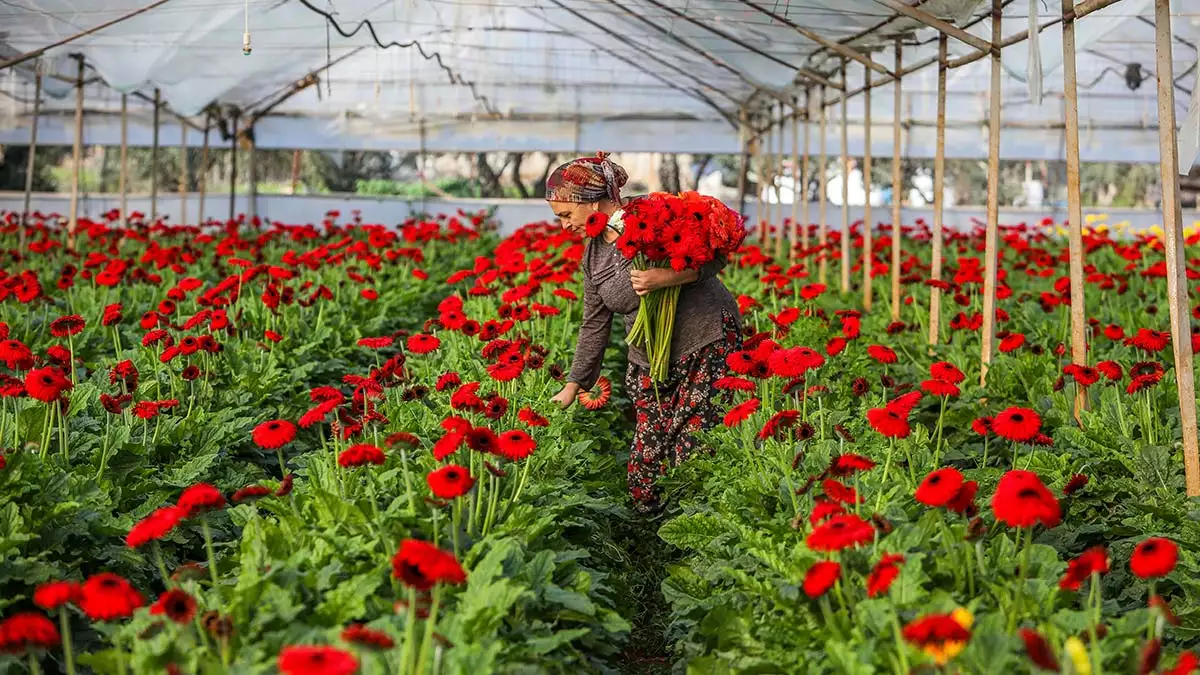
<point x="434" y="56"/>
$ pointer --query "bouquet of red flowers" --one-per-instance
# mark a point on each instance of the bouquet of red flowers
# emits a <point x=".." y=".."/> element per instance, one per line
<point x="682" y="231"/>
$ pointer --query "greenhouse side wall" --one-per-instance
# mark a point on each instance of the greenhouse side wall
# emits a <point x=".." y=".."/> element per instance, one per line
<point x="512" y="213"/>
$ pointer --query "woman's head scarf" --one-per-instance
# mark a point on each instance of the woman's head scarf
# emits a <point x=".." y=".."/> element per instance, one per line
<point x="585" y="180"/>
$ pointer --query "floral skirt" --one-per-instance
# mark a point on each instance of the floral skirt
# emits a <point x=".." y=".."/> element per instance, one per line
<point x="666" y="418"/>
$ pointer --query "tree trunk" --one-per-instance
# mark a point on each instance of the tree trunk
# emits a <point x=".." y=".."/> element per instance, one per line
<point x="516" y="158"/>
<point x="489" y="181"/>
<point x="702" y="165"/>
<point x="668" y="173"/>
<point x="539" y="190"/>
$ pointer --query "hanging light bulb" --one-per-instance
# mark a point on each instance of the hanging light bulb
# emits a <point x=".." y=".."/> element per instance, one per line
<point x="246" y="32"/>
<point x="246" y="44"/>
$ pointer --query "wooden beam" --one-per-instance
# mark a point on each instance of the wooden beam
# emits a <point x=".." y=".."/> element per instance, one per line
<point x="823" y="198"/>
<point x="1177" y="282"/>
<point x="932" y="21"/>
<point x="203" y="177"/>
<point x="184" y="175"/>
<point x="939" y="200"/>
<point x="805" y="173"/>
<point x="744" y="167"/>
<point x="760" y="172"/>
<point x="897" y="183"/>
<point x="252" y="175"/>
<point x="76" y="159"/>
<point x="791" y="233"/>
<point x="124" y="179"/>
<point x="775" y="186"/>
<point x="233" y="153"/>
<point x="991" y="233"/>
<point x="1074" y="203"/>
<point x="31" y="163"/>
<point x="29" y="56"/>
<point x="845" y="193"/>
<point x="296" y="170"/>
<point x="154" y="158"/>
<point x="868" y="217"/>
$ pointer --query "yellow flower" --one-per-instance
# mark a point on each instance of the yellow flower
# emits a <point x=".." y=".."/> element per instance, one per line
<point x="1102" y="227"/>
<point x="1079" y="656"/>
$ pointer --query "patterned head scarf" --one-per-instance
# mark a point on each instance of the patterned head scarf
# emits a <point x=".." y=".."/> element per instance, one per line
<point x="587" y="179"/>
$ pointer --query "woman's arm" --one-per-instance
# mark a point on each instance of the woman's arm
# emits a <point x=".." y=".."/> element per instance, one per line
<point x="593" y="338"/>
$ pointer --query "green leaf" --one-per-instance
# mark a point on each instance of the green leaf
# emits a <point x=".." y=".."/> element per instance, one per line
<point x="694" y="531"/>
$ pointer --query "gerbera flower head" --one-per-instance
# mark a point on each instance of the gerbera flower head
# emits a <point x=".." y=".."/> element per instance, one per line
<point x="840" y="532"/>
<point x="450" y="481"/>
<point x="599" y="400"/>
<point x="200" y="498"/>
<point x="106" y="596"/>
<point x="46" y="384"/>
<point x="883" y="574"/>
<point x="515" y="445"/>
<point x="1017" y="424"/>
<point x="1095" y="560"/>
<point x="821" y="577"/>
<point x="422" y="565"/>
<point x="312" y="660"/>
<point x="274" y="434"/>
<point x="941" y="636"/>
<point x="361" y="455"/>
<point x="65" y="326"/>
<point x="27" y="630"/>
<point x="1022" y="500"/>
<point x="358" y="634"/>
<point x="1154" y="557"/>
<point x="939" y="487"/>
<point x="176" y="604"/>
<point x="54" y="594"/>
<point x="155" y="526"/>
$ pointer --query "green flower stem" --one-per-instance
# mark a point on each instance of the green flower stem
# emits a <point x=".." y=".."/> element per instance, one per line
<point x="158" y="562"/>
<point x="887" y="467"/>
<point x="410" y="633"/>
<point x="937" y="447"/>
<point x="408" y="489"/>
<point x="64" y="628"/>
<point x="901" y="648"/>
<point x="1094" y="605"/>
<point x="430" y="624"/>
<point x="208" y="547"/>
<point x="34" y="668"/>
<point x="493" y="500"/>
<point x="1151" y="620"/>
<point x="1022" y="572"/>
<point x="456" y="525"/>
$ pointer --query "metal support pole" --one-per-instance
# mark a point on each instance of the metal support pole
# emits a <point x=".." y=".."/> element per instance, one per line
<point x="76" y="159"/>
<point x="791" y="233"/>
<point x="805" y="175"/>
<point x="988" y="336"/>
<point x="868" y="218"/>
<point x="939" y="199"/>
<point x="184" y="173"/>
<point x="845" y="193"/>
<point x="203" y="177"/>
<point x="1177" y="282"/>
<point x="31" y="164"/>
<point x="124" y="179"/>
<point x="154" y="159"/>
<point x="1074" y="201"/>
<point x="897" y="183"/>
<point x="823" y="198"/>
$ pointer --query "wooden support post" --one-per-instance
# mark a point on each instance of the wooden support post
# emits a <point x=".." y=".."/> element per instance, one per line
<point x="823" y="197"/>
<point x="124" y="179"/>
<point x="939" y="199"/>
<point x="897" y="184"/>
<point x="776" y="187"/>
<point x="1177" y="282"/>
<point x="203" y="177"/>
<point x="868" y="218"/>
<point x="1074" y="202"/>
<point x="760" y="175"/>
<point x="31" y="164"/>
<point x="233" y="153"/>
<point x="252" y="174"/>
<point x="845" y="193"/>
<point x="184" y="173"/>
<point x="154" y="159"/>
<point x="791" y="233"/>
<point x="295" y="170"/>
<point x="76" y="159"/>
<point x="805" y="175"/>
<point x="990" y="254"/>
<point x="744" y="168"/>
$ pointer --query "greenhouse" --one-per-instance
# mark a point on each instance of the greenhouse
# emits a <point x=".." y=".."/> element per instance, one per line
<point x="306" y="353"/>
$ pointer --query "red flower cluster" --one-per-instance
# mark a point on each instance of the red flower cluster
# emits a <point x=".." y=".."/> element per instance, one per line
<point x="892" y="419"/>
<point x="684" y="231"/>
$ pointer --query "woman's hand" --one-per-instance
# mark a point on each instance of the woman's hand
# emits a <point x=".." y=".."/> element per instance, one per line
<point x="567" y="396"/>
<point x="646" y="281"/>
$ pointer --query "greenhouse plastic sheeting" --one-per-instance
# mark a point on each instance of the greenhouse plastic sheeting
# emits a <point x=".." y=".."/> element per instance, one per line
<point x="573" y="75"/>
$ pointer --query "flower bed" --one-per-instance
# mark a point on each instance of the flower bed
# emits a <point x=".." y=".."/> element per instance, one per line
<point x="328" y="449"/>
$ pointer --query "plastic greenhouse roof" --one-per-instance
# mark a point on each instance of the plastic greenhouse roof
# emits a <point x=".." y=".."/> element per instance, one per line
<point x="576" y="75"/>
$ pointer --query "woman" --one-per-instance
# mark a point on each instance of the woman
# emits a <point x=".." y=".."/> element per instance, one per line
<point x="706" y="328"/>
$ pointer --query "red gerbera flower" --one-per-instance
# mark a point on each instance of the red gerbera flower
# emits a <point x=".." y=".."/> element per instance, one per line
<point x="939" y="487"/>
<point x="361" y="455"/>
<point x="964" y="501"/>
<point x="27" y="630"/>
<point x="1017" y="424"/>
<point x="1110" y="370"/>
<point x="1039" y="650"/>
<point x="532" y="418"/>
<point x="274" y="434"/>
<point x="784" y="419"/>
<point x="1011" y="342"/>
<point x="422" y="343"/>
<point x="106" y="596"/>
<point x="176" y="604"/>
<point x="307" y="660"/>
<point x="848" y="464"/>
<point x="821" y="577"/>
<point x="250" y="493"/>
<point x="54" y="594"/>
<point x="450" y="481"/>
<point x="882" y="354"/>
<point x="1155" y="557"/>
<point x="46" y="384"/>
<point x="375" y="342"/>
<point x="883" y="574"/>
<point x="1075" y="484"/>
<point x="1188" y="663"/>
<point x="939" y="388"/>
<point x="67" y="325"/>
<point x="596" y="223"/>
<point x="515" y="445"/>
<point x="1149" y="340"/>
<point x="889" y="422"/>
<point x="1083" y="375"/>
<point x="448" y="381"/>
<point x="200" y="498"/>
<point x="422" y="565"/>
<point x="838" y="492"/>
<point x="112" y="315"/>
<point x="740" y="412"/>
<point x="16" y="355"/>
<point x="362" y="636"/>
<point x="982" y="426"/>
<point x="946" y="372"/>
<point x="1092" y="561"/>
<point x="840" y="532"/>
<point x="823" y="510"/>
<point x="1022" y="500"/>
<point x="154" y="526"/>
